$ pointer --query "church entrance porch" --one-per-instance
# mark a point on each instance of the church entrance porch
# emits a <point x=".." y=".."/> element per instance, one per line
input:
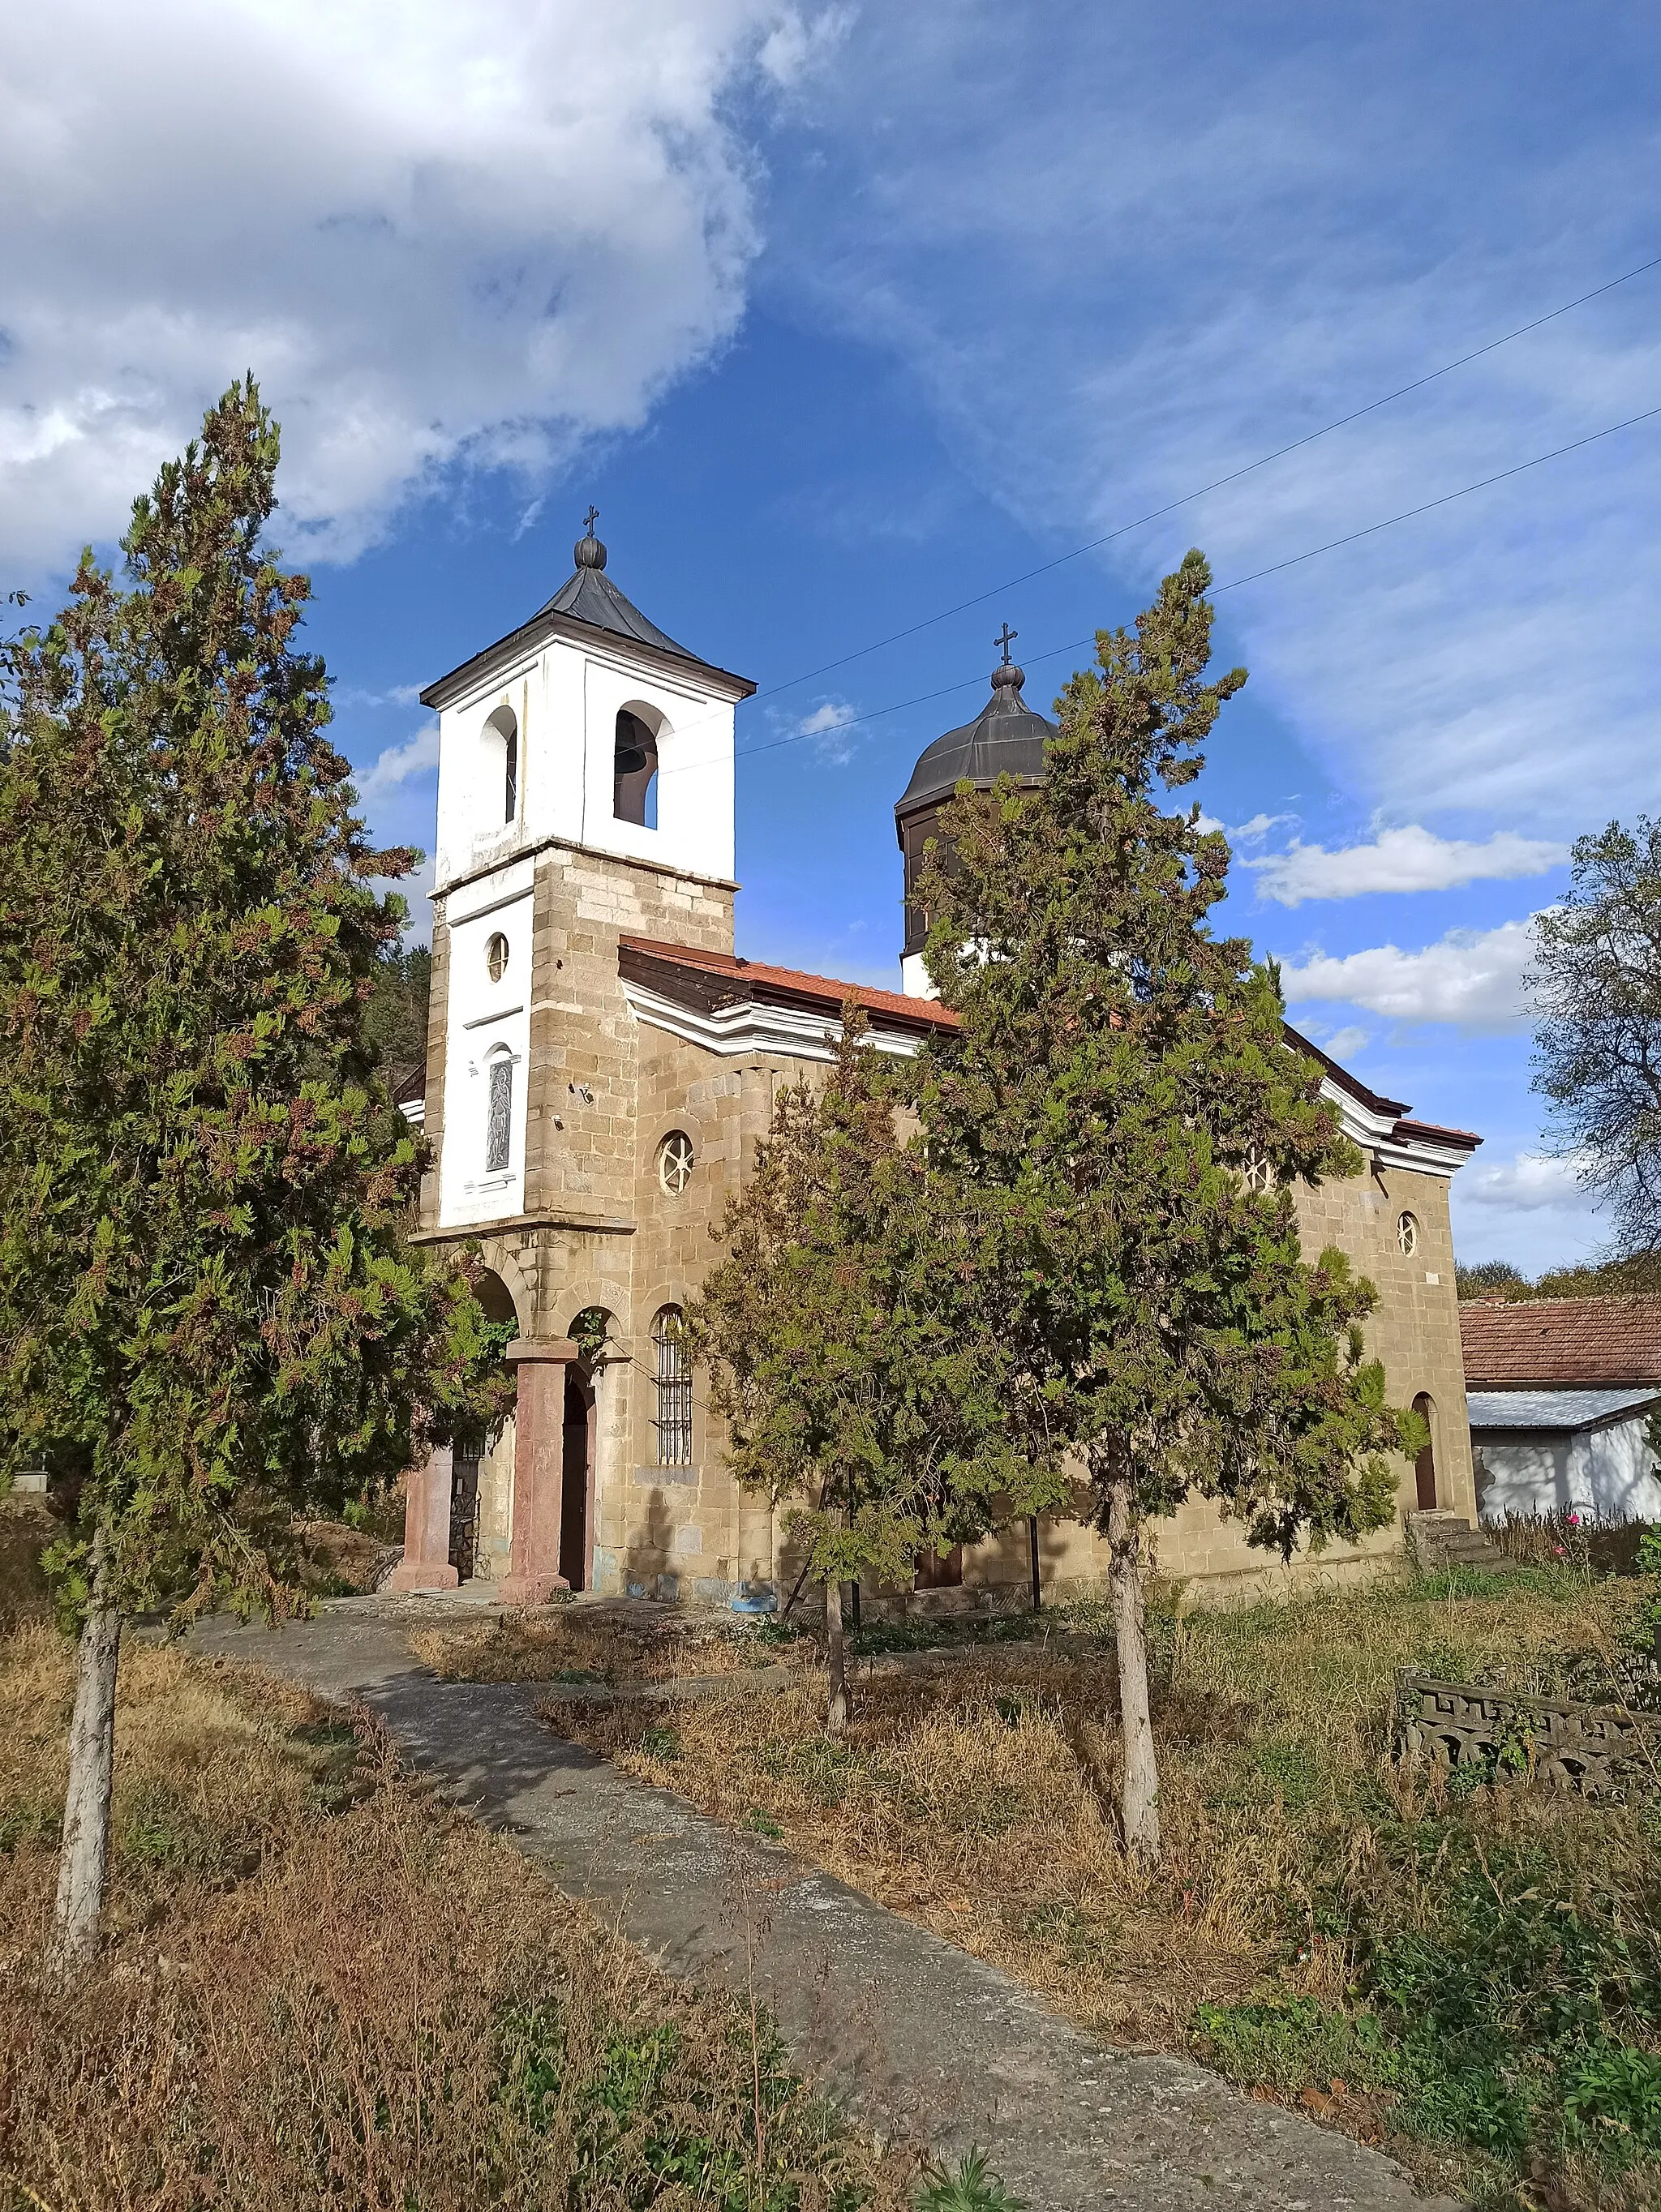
<point x="553" y="1436"/>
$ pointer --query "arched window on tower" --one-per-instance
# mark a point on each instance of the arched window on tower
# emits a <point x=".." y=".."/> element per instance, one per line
<point x="1424" y="1466"/>
<point x="502" y="739"/>
<point x="499" y="1113"/>
<point x="635" y="771"/>
<point x="673" y="1383"/>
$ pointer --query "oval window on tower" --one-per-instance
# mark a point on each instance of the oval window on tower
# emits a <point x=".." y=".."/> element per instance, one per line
<point x="495" y="956"/>
<point x="1407" y="1235"/>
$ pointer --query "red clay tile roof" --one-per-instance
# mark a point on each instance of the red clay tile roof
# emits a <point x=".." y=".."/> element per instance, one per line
<point x="1563" y="1343"/>
<point x="789" y="986"/>
<point x="751" y="979"/>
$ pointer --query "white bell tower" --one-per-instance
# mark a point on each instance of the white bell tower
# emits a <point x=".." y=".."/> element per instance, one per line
<point x="589" y="725"/>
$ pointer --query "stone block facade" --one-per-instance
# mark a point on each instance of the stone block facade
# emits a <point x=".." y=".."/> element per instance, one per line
<point x="603" y="1230"/>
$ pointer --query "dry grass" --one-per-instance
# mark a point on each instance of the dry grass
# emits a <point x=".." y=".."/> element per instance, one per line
<point x="322" y="1988"/>
<point x="608" y="1641"/>
<point x="976" y="1801"/>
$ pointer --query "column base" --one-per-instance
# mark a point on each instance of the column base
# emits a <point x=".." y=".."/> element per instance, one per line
<point x="415" y="1577"/>
<point x="532" y="1589"/>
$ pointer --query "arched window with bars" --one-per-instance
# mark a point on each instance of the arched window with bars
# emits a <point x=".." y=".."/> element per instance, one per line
<point x="672" y="1372"/>
<point x="499" y="1113"/>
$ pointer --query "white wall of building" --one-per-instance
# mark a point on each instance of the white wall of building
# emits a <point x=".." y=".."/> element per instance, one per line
<point x="487" y="1020"/>
<point x="1610" y="1474"/>
<point x="564" y="695"/>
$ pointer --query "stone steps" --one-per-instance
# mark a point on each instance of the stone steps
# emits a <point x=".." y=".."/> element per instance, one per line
<point x="1441" y="1539"/>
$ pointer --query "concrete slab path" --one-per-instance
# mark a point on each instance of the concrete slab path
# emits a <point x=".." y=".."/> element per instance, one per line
<point x="920" y="2039"/>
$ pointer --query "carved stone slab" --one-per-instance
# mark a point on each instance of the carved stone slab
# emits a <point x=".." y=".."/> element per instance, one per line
<point x="1593" y="1748"/>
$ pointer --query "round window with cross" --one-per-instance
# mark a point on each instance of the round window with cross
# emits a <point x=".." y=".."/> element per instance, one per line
<point x="1407" y="1235"/>
<point x="675" y="1162"/>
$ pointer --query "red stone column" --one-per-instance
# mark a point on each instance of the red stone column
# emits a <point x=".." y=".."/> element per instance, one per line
<point x="426" y="1562"/>
<point x="538" y="1468"/>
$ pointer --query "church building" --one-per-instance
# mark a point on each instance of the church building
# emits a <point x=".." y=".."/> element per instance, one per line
<point x="600" y="1065"/>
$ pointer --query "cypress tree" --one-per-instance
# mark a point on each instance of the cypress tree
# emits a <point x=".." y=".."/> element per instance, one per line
<point x="208" y="1317"/>
<point x="1123" y="1119"/>
<point x="859" y="1393"/>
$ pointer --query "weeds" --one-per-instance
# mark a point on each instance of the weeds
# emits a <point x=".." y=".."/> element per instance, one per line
<point x="1475" y="1973"/>
<point x="321" y="1988"/>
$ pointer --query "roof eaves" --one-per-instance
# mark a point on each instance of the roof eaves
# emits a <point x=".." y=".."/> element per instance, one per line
<point x="547" y="623"/>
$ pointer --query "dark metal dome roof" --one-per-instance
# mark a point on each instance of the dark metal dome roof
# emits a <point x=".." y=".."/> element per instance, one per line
<point x="1005" y="738"/>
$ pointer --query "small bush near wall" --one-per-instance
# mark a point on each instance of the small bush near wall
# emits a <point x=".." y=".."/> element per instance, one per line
<point x="1568" y="1538"/>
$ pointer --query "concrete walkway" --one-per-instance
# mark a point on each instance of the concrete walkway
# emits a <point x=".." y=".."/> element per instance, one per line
<point x="923" y="2040"/>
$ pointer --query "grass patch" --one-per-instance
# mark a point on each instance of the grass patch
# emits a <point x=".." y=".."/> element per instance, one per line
<point x="623" y="1642"/>
<point x="322" y="1988"/>
<point x="1471" y="1976"/>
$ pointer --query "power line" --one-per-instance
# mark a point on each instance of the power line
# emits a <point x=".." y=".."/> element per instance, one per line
<point x="1370" y="530"/>
<point x="1217" y="484"/>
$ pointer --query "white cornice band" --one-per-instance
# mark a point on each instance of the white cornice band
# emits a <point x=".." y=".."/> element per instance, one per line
<point x="745" y="1027"/>
<point x="1376" y="1135"/>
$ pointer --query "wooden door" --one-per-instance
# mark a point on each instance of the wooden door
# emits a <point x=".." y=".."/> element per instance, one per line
<point x="1424" y="1466"/>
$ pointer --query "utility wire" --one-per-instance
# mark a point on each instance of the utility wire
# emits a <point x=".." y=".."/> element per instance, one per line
<point x="1216" y="484"/>
<point x="1370" y="530"/>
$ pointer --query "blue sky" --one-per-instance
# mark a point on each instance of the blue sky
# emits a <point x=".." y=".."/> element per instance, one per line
<point x="845" y="314"/>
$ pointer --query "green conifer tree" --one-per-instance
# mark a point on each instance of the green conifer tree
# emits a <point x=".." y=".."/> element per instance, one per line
<point x="1123" y="1119"/>
<point x="207" y="1314"/>
<point x="841" y="1351"/>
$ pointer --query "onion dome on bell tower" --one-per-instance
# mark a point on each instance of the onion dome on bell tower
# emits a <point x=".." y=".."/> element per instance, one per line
<point x="1007" y="737"/>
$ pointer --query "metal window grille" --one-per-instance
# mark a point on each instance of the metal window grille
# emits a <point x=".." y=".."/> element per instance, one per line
<point x="675" y="1162"/>
<point x="674" y="1391"/>
<point x="510" y="779"/>
<point x="499" y="1127"/>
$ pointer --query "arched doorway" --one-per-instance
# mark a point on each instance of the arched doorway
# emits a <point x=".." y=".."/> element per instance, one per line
<point x="592" y="1331"/>
<point x="576" y="1500"/>
<point x="1424" y="1466"/>
<point x="482" y="1468"/>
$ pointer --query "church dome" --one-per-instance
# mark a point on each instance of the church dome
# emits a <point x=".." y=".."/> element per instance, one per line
<point x="1007" y="737"/>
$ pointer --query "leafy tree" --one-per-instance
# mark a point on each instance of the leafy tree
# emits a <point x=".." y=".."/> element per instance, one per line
<point x="395" y="1013"/>
<point x="207" y="1316"/>
<point x="1491" y="1279"/>
<point x="834" y="1335"/>
<point x="1596" y="992"/>
<point x="1121" y="1120"/>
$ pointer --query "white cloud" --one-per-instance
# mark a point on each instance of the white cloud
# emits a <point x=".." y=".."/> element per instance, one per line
<point x="1246" y="833"/>
<point x="399" y="764"/>
<point x="825" y="723"/>
<point x="435" y="235"/>
<point x="1526" y="1184"/>
<point x="1344" y="1042"/>
<point x="400" y="695"/>
<point x="1472" y="978"/>
<point x="1251" y="245"/>
<point x="1408" y="860"/>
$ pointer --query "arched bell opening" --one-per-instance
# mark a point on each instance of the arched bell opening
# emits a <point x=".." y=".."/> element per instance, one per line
<point x="502" y="749"/>
<point x="635" y="767"/>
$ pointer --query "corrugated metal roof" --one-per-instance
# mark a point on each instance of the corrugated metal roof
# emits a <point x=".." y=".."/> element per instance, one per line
<point x="1553" y="1409"/>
